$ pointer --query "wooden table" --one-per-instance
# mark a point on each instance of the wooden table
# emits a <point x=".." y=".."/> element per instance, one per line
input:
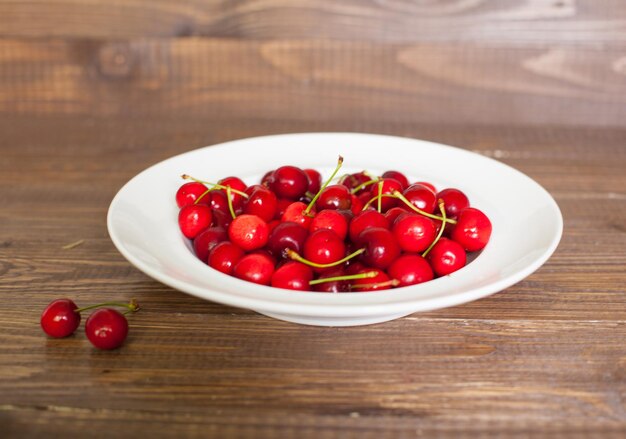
<point x="89" y="98"/>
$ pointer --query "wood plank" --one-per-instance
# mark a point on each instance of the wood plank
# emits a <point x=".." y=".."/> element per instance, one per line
<point x="544" y="21"/>
<point x="316" y="80"/>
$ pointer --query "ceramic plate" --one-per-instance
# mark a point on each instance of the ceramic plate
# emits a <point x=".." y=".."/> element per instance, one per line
<point x="527" y="223"/>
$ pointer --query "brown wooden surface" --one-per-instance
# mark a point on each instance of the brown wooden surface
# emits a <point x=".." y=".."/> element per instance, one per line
<point x="92" y="93"/>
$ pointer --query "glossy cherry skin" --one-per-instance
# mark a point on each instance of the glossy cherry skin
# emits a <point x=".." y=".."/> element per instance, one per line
<point x="352" y="181"/>
<point x="194" y="218"/>
<point x="237" y="184"/>
<point x="454" y="201"/>
<point x="261" y="202"/>
<point x="249" y="232"/>
<point x="386" y="186"/>
<point x="447" y="256"/>
<point x="292" y="275"/>
<point x="428" y="185"/>
<point x="378" y="282"/>
<point x="334" y="286"/>
<point x="60" y="319"/>
<point x="332" y="220"/>
<point x="188" y="193"/>
<point x="289" y="182"/>
<point x="381" y="247"/>
<point x="410" y="269"/>
<point x="413" y="232"/>
<point x="398" y="176"/>
<point x="255" y="267"/>
<point x="206" y="240"/>
<point x="421" y="197"/>
<point x="472" y="230"/>
<point x="315" y="180"/>
<point x="334" y="196"/>
<point x="106" y="328"/>
<point x="295" y="213"/>
<point x="393" y="213"/>
<point x="224" y="256"/>
<point x="324" y="247"/>
<point x="365" y="220"/>
<point x="287" y="235"/>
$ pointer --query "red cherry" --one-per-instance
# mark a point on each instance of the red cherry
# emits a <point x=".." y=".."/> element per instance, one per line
<point x="356" y="205"/>
<point x="292" y="275"/>
<point x="398" y="176"/>
<point x="324" y="247"/>
<point x="60" y="319"/>
<point x="334" y="196"/>
<point x="249" y="232"/>
<point x="188" y="193"/>
<point x="454" y="201"/>
<point x="472" y="229"/>
<point x="261" y="202"/>
<point x="193" y="219"/>
<point x="222" y="219"/>
<point x="379" y="282"/>
<point x="206" y="240"/>
<point x="106" y="328"/>
<point x="393" y="213"/>
<point x="421" y="197"/>
<point x="332" y="220"/>
<point x="352" y="181"/>
<point x="315" y="180"/>
<point x="287" y="235"/>
<point x="365" y="220"/>
<point x="410" y="269"/>
<point x="237" y="184"/>
<point x="428" y="185"/>
<point x="295" y="213"/>
<point x="381" y="248"/>
<point x="224" y="256"/>
<point x="413" y="232"/>
<point x="289" y="182"/>
<point x="446" y="257"/>
<point x="255" y="267"/>
<point x="387" y="187"/>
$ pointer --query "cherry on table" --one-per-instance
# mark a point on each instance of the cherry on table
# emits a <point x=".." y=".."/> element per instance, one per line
<point x="106" y="328"/>
<point x="60" y="319"/>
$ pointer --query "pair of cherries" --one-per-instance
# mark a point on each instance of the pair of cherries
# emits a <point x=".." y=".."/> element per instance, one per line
<point x="106" y="328"/>
<point x="361" y="233"/>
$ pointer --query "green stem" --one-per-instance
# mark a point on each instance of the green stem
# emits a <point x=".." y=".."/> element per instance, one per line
<point x="230" y="202"/>
<point x="317" y="195"/>
<point x="380" y="197"/>
<point x="388" y="283"/>
<point x="364" y="184"/>
<point x="132" y="306"/>
<point x="366" y="275"/>
<point x="293" y="255"/>
<point x="369" y="202"/>
<point x="443" y="226"/>
<point x="399" y="195"/>
<point x="214" y="185"/>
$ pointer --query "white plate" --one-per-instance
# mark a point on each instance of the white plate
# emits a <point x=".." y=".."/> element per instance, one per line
<point x="527" y="223"/>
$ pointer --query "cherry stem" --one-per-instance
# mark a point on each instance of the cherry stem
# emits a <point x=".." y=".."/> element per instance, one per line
<point x="293" y="255"/>
<point x="443" y="226"/>
<point x="380" y="197"/>
<point x="202" y="195"/>
<point x="388" y="283"/>
<point x="230" y="202"/>
<point x="307" y="211"/>
<point x="376" y="198"/>
<point x="399" y="195"/>
<point x="364" y="184"/>
<point x="132" y="306"/>
<point x="366" y="275"/>
<point x="213" y="186"/>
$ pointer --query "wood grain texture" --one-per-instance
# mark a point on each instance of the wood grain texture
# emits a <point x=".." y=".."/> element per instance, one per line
<point x="316" y="80"/>
<point x="545" y="358"/>
<point x="513" y="21"/>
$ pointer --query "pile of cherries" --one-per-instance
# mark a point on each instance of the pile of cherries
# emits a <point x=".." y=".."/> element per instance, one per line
<point x="361" y="232"/>
<point x="106" y="328"/>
